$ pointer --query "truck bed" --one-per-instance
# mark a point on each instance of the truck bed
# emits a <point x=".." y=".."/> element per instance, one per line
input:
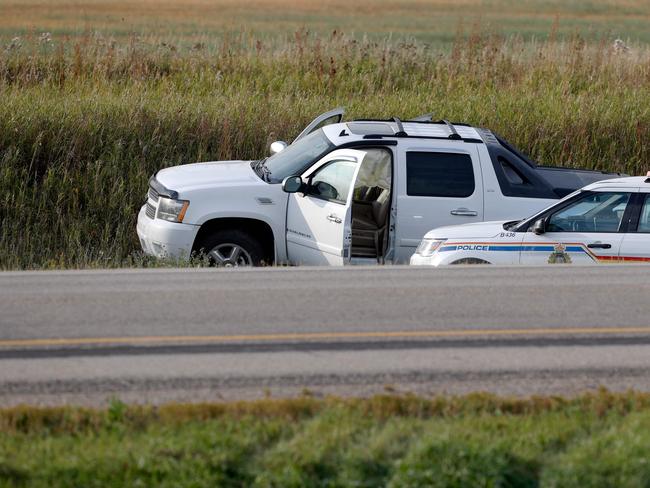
<point x="540" y="181"/>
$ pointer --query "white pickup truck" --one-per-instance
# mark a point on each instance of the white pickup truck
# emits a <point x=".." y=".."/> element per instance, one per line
<point x="357" y="192"/>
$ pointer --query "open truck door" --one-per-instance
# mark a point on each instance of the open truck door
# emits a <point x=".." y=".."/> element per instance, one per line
<point x="319" y="212"/>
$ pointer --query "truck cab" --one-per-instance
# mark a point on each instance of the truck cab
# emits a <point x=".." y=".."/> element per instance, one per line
<point x="357" y="192"/>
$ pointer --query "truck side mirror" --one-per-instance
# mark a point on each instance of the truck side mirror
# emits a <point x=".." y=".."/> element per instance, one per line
<point x="539" y="227"/>
<point x="292" y="184"/>
<point x="278" y="146"/>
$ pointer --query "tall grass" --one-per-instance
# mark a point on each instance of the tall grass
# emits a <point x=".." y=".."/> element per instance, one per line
<point x="85" y="122"/>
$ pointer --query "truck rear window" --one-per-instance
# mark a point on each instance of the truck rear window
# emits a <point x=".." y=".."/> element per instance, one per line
<point x="438" y="174"/>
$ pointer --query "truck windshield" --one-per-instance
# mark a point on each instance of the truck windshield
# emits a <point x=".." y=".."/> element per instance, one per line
<point x="295" y="157"/>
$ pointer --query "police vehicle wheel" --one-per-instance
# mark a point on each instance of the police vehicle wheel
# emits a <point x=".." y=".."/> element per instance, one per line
<point x="233" y="248"/>
<point x="470" y="261"/>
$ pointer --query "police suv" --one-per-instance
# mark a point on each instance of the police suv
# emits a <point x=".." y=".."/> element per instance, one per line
<point x="605" y="222"/>
<point x="362" y="191"/>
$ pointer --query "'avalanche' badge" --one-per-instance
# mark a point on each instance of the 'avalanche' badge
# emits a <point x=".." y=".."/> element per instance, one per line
<point x="559" y="255"/>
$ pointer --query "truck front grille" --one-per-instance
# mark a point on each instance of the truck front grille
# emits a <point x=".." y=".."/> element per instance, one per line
<point x="150" y="211"/>
<point x="153" y="194"/>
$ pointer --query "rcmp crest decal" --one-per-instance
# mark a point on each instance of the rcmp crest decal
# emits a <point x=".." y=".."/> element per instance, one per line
<point x="559" y="255"/>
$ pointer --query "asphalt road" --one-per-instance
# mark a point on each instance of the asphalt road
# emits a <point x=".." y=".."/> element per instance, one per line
<point x="160" y="335"/>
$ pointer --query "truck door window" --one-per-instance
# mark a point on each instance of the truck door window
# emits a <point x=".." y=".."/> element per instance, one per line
<point x="513" y="176"/>
<point x="333" y="181"/>
<point x="374" y="175"/>
<point x="439" y="174"/>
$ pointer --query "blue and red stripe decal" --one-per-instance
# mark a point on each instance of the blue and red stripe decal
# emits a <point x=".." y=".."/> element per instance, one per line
<point x="536" y="247"/>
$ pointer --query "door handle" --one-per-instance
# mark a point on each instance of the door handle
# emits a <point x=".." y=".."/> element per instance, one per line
<point x="599" y="245"/>
<point x="334" y="218"/>
<point x="465" y="212"/>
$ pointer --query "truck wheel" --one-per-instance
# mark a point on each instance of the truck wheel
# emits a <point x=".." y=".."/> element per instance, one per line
<point x="232" y="248"/>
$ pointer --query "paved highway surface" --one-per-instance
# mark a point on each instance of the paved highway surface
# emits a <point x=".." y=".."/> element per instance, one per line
<point x="159" y="335"/>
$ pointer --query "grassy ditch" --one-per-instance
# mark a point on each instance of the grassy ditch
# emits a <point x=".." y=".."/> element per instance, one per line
<point x="85" y="122"/>
<point x="594" y="440"/>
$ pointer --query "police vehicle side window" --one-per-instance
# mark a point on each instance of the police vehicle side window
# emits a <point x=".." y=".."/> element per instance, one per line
<point x="438" y="174"/>
<point x="644" y="219"/>
<point x="595" y="212"/>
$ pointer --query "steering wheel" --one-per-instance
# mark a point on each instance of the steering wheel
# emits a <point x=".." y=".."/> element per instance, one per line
<point x="559" y="225"/>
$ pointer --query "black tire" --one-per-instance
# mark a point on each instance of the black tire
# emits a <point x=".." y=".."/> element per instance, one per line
<point x="470" y="261"/>
<point x="225" y="239"/>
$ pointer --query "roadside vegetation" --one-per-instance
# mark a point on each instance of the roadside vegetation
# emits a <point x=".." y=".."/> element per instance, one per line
<point x="86" y="119"/>
<point x="595" y="440"/>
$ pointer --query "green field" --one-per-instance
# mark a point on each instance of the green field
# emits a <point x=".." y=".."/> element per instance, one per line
<point x="85" y="119"/>
<point x="430" y="21"/>
<point x="597" y="440"/>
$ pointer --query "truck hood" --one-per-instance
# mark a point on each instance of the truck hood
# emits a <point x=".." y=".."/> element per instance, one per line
<point x="212" y="174"/>
<point x="478" y="230"/>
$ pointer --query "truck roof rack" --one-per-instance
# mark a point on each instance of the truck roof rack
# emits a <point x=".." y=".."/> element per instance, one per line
<point x="453" y="133"/>
<point x="400" y="128"/>
<point x="463" y="139"/>
<point x="421" y="119"/>
<point x="416" y="129"/>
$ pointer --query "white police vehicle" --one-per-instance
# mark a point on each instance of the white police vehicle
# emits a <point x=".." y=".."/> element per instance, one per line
<point x="362" y="191"/>
<point x="605" y="222"/>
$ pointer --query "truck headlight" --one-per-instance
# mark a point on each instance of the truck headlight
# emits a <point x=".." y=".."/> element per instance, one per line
<point x="428" y="246"/>
<point x="172" y="210"/>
